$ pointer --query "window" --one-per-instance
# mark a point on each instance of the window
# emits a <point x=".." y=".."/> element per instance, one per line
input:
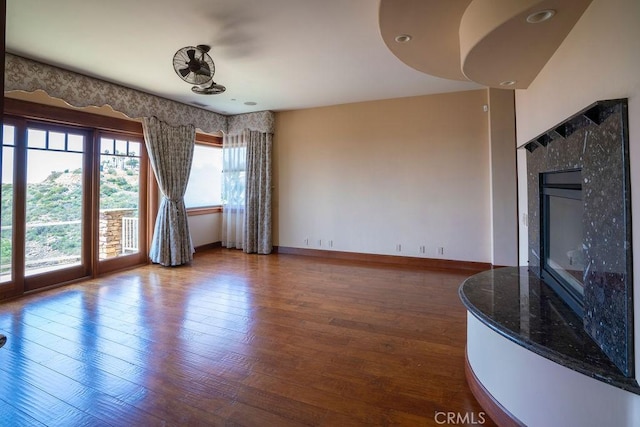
<point x="119" y="232"/>
<point x="204" y="189"/>
<point x="235" y="166"/>
<point x="55" y="198"/>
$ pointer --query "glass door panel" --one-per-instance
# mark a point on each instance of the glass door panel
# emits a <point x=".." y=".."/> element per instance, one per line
<point x="119" y="229"/>
<point x="6" y="215"/>
<point x="54" y="200"/>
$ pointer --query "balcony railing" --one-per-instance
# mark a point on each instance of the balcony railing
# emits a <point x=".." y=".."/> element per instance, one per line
<point x="35" y="262"/>
<point x="118" y="235"/>
<point x="129" y="235"/>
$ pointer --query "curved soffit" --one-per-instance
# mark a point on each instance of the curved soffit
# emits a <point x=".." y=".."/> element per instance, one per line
<point x="433" y="25"/>
<point x="486" y="41"/>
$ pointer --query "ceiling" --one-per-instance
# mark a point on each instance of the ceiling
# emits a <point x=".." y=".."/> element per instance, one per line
<point x="292" y="54"/>
<point x="496" y="43"/>
<point x="280" y="54"/>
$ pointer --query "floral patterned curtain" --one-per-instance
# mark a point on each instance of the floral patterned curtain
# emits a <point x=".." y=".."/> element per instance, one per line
<point x="257" y="216"/>
<point x="171" y="153"/>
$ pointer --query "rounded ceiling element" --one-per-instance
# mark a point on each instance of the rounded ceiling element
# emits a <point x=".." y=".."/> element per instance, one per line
<point x="433" y="25"/>
<point x="486" y="41"/>
<point x="497" y="43"/>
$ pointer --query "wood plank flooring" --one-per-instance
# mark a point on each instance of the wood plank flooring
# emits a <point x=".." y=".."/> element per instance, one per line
<point x="236" y="339"/>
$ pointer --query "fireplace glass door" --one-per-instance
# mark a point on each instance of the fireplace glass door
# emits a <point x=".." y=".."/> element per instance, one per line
<point x="562" y="236"/>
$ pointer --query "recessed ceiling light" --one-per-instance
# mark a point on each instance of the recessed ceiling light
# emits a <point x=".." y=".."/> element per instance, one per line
<point x="540" y="16"/>
<point x="250" y="103"/>
<point x="403" y="38"/>
<point x="508" y="83"/>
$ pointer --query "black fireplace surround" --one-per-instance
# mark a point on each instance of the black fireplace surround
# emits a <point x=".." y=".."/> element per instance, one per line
<point x="595" y="143"/>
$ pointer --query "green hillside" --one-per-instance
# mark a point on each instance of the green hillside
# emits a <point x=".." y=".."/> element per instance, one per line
<point x="59" y="199"/>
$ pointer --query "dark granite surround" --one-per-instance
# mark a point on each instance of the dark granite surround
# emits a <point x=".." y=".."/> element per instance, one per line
<point x="594" y="140"/>
<point x="514" y="302"/>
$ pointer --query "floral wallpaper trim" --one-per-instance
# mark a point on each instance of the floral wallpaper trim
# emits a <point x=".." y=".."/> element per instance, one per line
<point x="261" y="121"/>
<point x="79" y="90"/>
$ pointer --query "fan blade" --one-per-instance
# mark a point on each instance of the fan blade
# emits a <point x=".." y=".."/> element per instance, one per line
<point x="192" y="54"/>
<point x="184" y="72"/>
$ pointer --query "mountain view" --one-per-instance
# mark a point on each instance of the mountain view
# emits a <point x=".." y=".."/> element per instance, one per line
<point x="54" y="209"/>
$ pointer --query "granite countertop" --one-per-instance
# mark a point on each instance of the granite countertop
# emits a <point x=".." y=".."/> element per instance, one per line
<point x="515" y="303"/>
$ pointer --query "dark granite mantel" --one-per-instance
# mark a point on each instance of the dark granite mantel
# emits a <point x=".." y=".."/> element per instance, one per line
<point x="515" y="303"/>
<point x="596" y="142"/>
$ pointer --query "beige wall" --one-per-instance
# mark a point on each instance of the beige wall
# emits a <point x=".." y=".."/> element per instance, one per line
<point x="370" y="176"/>
<point x="504" y="192"/>
<point x="599" y="59"/>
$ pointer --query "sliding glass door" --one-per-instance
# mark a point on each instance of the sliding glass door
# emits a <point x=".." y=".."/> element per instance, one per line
<point x="73" y="204"/>
<point x="121" y="230"/>
<point x="45" y="206"/>
<point x="55" y="202"/>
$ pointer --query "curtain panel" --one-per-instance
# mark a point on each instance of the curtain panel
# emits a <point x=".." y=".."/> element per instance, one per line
<point x="257" y="216"/>
<point x="171" y="153"/>
<point x="234" y="164"/>
<point x="246" y="213"/>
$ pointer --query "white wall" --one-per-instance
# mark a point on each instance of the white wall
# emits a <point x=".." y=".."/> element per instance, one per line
<point x="599" y="59"/>
<point x="369" y="176"/>
<point x="205" y="229"/>
<point x="539" y="392"/>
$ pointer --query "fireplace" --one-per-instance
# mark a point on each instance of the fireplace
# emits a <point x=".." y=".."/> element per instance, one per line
<point x="562" y="237"/>
<point x="579" y="228"/>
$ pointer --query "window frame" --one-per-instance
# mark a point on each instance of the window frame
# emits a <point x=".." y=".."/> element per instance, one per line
<point x="211" y="141"/>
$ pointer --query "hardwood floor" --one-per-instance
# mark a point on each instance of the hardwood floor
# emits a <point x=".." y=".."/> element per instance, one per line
<point x="237" y="339"/>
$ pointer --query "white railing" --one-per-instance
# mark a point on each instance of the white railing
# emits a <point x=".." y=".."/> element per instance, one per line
<point x="124" y="242"/>
<point x="129" y="234"/>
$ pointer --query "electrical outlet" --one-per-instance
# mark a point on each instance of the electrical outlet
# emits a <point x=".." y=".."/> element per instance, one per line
<point x="319" y="243"/>
<point x="398" y="247"/>
<point x="330" y="243"/>
<point x="306" y="241"/>
<point x="423" y="249"/>
<point x="441" y="250"/>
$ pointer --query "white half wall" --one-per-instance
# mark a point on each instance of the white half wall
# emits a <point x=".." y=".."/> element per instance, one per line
<point x="370" y="176"/>
<point x="539" y="392"/>
<point x="205" y="229"/>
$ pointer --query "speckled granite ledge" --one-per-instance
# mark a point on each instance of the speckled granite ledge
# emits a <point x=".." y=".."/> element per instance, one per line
<point x="515" y="303"/>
